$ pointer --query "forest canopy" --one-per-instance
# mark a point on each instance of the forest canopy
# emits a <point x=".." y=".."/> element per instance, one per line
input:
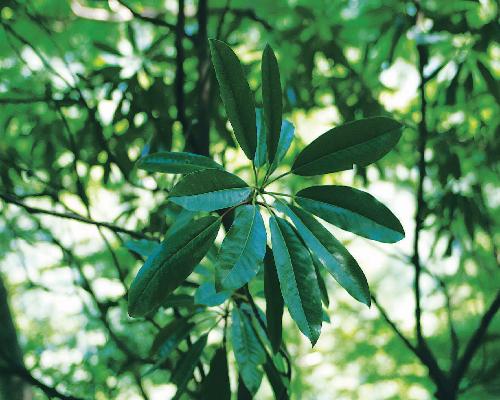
<point x="230" y="199"/>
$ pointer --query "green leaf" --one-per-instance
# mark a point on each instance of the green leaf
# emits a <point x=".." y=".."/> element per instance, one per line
<point x="236" y="95"/>
<point x="359" y="142"/>
<point x="248" y="351"/>
<point x="489" y="79"/>
<point x="179" y="300"/>
<point x="286" y="137"/>
<point x="321" y="282"/>
<point x="276" y="380"/>
<point x="274" y="302"/>
<point x="207" y="296"/>
<point x="242" y="250"/>
<point x="272" y="100"/>
<point x="297" y="278"/>
<point x="143" y="247"/>
<point x="184" y="369"/>
<point x="330" y="252"/>
<point x="170" y="264"/>
<point x="209" y="190"/>
<point x="216" y="385"/>
<point x="261" y="152"/>
<point x="176" y="162"/>
<point x="167" y="339"/>
<point x="352" y="210"/>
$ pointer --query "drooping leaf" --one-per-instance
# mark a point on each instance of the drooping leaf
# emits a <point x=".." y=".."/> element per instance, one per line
<point x="207" y="296"/>
<point x="272" y="100"/>
<point x="248" y="351"/>
<point x="352" y="210"/>
<point x="286" y="136"/>
<point x="261" y="152"/>
<point x="360" y="142"/>
<point x="184" y="369"/>
<point x="176" y="162"/>
<point x="167" y="339"/>
<point x="276" y="380"/>
<point x="236" y="95"/>
<point x="242" y="250"/>
<point x="297" y="278"/>
<point x="321" y="282"/>
<point x="216" y="385"/>
<point x="330" y="252"/>
<point x="209" y="190"/>
<point x="274" y="301"/>
<point x="170" y="264"/>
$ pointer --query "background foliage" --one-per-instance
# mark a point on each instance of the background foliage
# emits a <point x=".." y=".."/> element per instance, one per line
<point x="86" y="87"/>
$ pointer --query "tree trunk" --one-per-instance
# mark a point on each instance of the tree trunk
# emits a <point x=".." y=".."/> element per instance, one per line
<point x="11" y="358"/>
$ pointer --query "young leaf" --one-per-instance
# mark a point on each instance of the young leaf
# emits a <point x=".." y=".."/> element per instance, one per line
<point x="170" y="264"/>
<point x="207" y="296"/>
<point x="176" y="162"/>
<point x="272" y="100"/>
<point x="360" y="142"/>
<point x="184" y="369"/>
<point x="143" y="247"/>
<point x="352" y="210"/>
<point x="286" y="136"/>
<point x="261" y="152"/>
<point x="330" y="252"/>
<point x="274" y="302"/>
<point x="209" y="190"/>
<point x="236" y="95"/>
<point x="297" y="278"/>
<point x="216" y="385"/>
<point x="242" y="250"/>
<point x="248" y="351"/>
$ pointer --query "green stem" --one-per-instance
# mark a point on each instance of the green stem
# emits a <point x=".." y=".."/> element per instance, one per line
<point x="275" y="179"/>
<point x="274" y="194"/>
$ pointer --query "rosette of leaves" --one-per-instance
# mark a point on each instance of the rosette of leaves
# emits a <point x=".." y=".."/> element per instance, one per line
<point x="295" y="247"/>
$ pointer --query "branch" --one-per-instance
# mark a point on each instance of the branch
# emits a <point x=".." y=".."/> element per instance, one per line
<point x="476" y="340"/>
<point x="35" y="210"/>
<point x="25" y="375"/>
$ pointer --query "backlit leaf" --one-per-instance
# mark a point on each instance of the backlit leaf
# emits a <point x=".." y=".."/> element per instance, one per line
<point x="176" y="162"/>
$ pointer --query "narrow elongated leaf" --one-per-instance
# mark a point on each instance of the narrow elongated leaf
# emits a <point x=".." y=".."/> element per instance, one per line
<point x="248" y="351"/>
<point x="216" y="385"/>
<point x="276" y="380"/>
<point x="170" y="264"/>
<point x="330" y="252"/>
<point x="243" y="392"/>
<point x="286" y="137"/>
<point x="297" y="278"/>
<point x="209" y="190"/>
<point x="236" y="95"/>
<point x="274" y="302"/>
<point x="242" y="250"/>
<point x="261" y="152"/>
<point x="176" y="162"/>
<point x="169" y="337"/>
<point x="352" y="210"/>
<point x="184" y="369"/>
<point x="489" y="79"/>
<point x="359" y="142"/>
<point x="272" y="100"/>
<point x="321" y="282"/>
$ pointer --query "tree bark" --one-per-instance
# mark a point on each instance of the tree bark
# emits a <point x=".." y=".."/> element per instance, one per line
<point x="12" y="387"/>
